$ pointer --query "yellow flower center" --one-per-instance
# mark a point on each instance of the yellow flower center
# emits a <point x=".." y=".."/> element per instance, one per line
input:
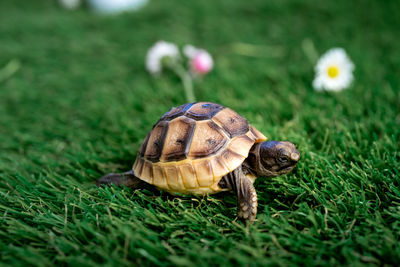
<point x="333" y="71"/>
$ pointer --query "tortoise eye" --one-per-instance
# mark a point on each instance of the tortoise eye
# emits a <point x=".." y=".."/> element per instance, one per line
<point x="283" y="159"/>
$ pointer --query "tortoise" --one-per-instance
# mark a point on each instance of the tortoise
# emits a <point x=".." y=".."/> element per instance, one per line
<point x="205" y="148"/>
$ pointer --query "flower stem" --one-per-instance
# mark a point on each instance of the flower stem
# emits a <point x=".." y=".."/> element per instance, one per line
<point x="187" y="81"/>
<point x="310" y="51"/>
<point x="8" y="70"/>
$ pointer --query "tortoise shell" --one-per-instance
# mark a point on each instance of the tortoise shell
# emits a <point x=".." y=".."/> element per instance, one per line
<point x="192" y="146"/>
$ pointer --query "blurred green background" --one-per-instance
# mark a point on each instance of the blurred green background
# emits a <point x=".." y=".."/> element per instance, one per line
<point x="81" y="102"/>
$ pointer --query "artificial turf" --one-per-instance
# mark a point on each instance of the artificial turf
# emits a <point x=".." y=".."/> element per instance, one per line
<point x="80" y="103"/>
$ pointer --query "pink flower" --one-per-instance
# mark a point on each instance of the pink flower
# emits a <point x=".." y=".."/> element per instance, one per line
<point x="201" y="61"/>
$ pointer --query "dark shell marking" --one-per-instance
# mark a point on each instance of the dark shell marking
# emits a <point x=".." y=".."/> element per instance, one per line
<point x="155" y="143"/>
<point x="231" y="122"/>
<point x="175" y="112"/>
<point x="203" y="111"/>
<point x="192" y="130"/>
<point x="143" y="146"/>
<point x="178" y="138"/>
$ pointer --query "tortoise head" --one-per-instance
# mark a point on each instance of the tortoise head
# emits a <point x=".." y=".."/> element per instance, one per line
<point x="273" y="158"/>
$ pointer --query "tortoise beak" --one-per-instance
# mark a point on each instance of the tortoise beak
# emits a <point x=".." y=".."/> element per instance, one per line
<point x="295" y="156"/>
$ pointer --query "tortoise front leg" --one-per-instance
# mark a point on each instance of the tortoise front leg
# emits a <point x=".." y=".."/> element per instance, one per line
<point x="245" y="191"/>
<point x="247" y="199"/>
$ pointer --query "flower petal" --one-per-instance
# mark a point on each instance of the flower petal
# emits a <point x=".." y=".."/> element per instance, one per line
<point x="157" y="52"/>
<point x="338" y="58"/>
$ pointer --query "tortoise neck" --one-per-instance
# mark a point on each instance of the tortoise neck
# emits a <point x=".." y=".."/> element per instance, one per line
<point x="250" y="165"/>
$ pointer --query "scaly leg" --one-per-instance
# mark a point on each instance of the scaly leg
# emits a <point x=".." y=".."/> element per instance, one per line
<point x="245" y="191"/>
<point x="127" y="178"/>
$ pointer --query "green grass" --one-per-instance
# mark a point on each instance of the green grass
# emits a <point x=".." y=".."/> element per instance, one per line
<point x="81" y="103"/>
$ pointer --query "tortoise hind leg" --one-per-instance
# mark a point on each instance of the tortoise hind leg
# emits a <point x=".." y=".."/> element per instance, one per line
<point x="127" y="179"/>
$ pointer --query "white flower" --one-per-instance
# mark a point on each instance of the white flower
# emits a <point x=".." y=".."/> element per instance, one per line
<point x="157" y="53"/>
<point x="116" y="6"/>
<point x="334" y="71"/>
<point x="70" y="4"/>
<point x="201" y="61"/>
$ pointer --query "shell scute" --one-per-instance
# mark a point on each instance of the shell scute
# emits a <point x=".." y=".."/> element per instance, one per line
<point x="176" y="112"/>
<point x="138" y="166"/>
<point x="143" y="146"/>
<point x="174" y="178"/>
<point x="259" y="137"/>
<point x="178" y="139"/>
<point x="155" y="142"/>
<point x="231" y="122"/>
<point x="231" y="159"/>
<point x="240" y="144"/>
<point x="207" y="139"/>
<point x="189" y="176"/>
<point x="159" y="179"/>
<point x="204" y="173"/>
<point x="147" y="172"/>
<point x="218" y="167"/>
<point x="203" y="110"/>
